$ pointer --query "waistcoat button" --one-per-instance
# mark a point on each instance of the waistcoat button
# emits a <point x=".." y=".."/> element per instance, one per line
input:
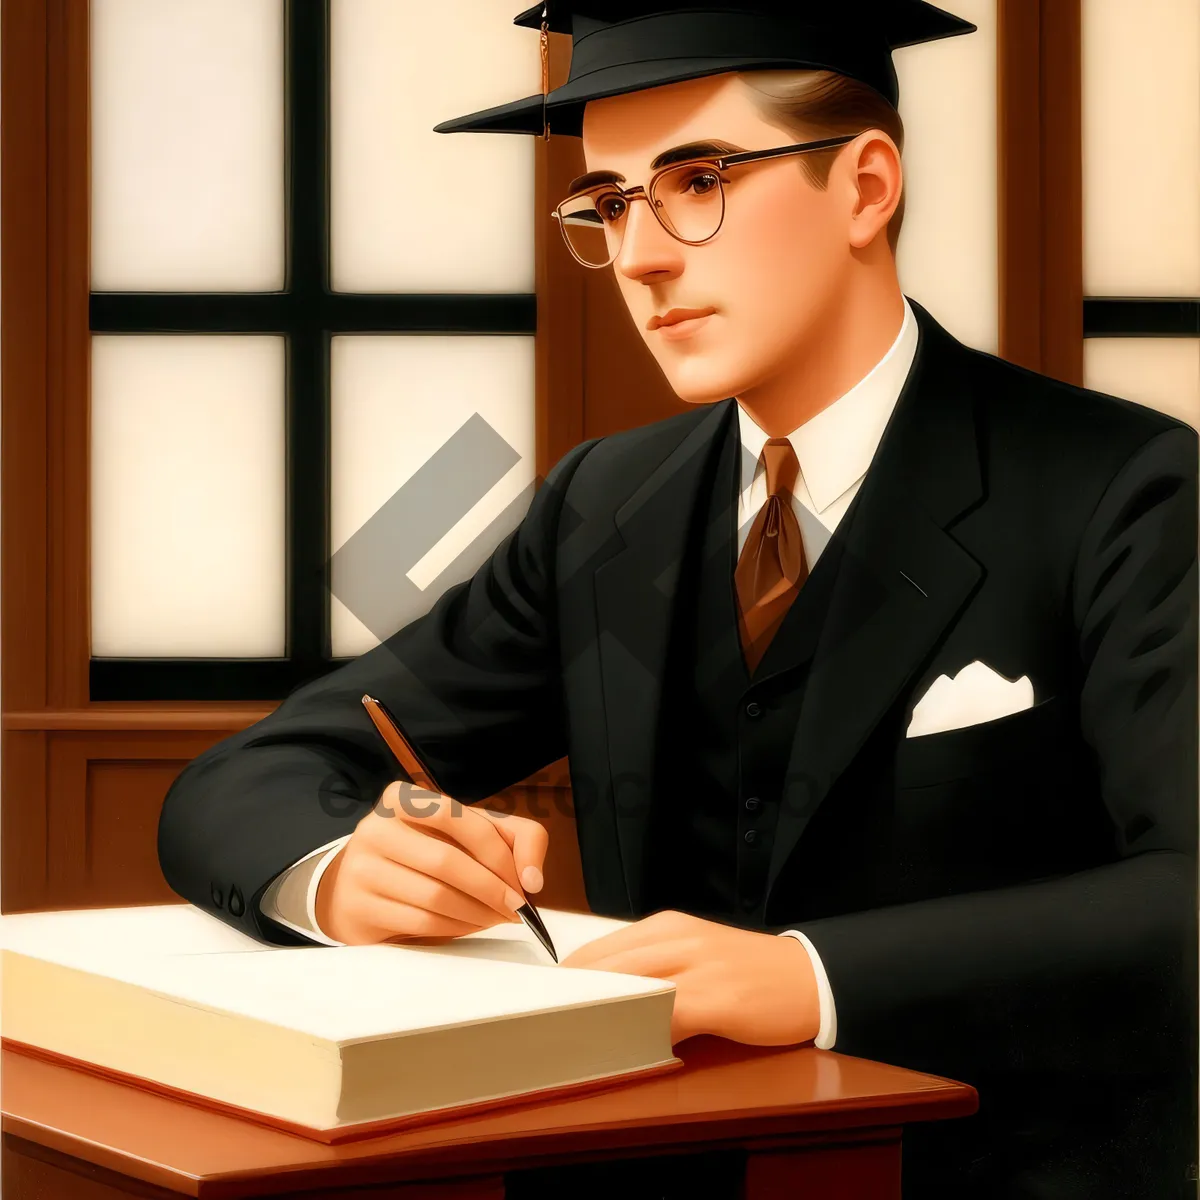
<point x="752" y="803"/>
<point x="753" y="709"/>
<point x="750" y="835"/>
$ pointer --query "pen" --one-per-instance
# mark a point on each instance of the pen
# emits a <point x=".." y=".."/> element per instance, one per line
<point x="399" y="745"/>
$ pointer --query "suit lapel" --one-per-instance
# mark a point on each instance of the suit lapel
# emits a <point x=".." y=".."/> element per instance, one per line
<point x="899" y="579"/>
<point x="636" y="592"/>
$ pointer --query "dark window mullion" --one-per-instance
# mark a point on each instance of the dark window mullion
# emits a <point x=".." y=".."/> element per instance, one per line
<point x="337" y="312"/>
<point x="192" y="678"/>
<point x="308" y="457"/>
<point x="1135" y="316"/>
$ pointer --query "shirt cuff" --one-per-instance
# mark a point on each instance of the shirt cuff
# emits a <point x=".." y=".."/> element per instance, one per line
<point x="291" y="898"/>
<point x="827" y="1034"/>
<point x="310" y="900"/>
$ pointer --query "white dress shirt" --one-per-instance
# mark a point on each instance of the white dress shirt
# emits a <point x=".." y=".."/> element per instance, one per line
<point x="834" y="449"/>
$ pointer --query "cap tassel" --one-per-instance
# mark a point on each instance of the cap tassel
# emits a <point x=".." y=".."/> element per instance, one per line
<point x="545" y="47"/>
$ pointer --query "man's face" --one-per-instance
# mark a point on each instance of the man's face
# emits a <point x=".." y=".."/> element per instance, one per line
<point x="773" y="267"/>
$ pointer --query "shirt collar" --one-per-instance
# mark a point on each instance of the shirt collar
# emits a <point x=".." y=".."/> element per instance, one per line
<point x="836" y="446"/>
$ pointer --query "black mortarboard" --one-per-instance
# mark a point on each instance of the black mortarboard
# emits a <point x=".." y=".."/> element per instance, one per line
<point x="626" y="45"/>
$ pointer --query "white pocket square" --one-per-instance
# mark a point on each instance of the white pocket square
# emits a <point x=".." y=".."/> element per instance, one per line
<point x="975" y="694"/>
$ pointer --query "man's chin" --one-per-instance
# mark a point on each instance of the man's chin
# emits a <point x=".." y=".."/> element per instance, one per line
<point x="709" y="391"/>
<point x="704" y="387"/>
<point x="700" y="400"/>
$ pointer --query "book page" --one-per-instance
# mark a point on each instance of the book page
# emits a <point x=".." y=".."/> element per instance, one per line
<point x="336" y="993"/>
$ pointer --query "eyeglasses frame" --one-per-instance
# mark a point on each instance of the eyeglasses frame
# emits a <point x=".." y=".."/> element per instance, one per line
<point x="723" y="163"/>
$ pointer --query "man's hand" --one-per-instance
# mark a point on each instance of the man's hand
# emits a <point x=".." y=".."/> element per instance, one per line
<point x="419" y="865"/>
<point x="750" y="987"/>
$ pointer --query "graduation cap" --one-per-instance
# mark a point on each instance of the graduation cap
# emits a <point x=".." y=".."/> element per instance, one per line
<point x="626" y="45"/>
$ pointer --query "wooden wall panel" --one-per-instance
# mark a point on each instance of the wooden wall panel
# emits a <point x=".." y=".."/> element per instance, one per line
<point x="24" y="282"/>
<point x="94" y="843"/>
<point x="68" y="346"/>
<point x="1040" y="159"/>
<point x="24" y="873"/>
<point x="104" y="793"/>
<point x="1062" y="190"/>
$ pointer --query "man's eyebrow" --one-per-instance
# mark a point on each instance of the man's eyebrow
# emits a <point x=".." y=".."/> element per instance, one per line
<point x="676" y="154"/>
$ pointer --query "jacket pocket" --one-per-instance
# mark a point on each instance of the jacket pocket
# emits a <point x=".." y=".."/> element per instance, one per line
<point x="983" y="748"/>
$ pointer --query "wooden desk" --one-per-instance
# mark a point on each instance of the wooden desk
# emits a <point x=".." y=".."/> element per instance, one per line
<point x="812" y="1123"/>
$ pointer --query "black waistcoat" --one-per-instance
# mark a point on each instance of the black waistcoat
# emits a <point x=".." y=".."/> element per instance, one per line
<point x="724" y="736"/>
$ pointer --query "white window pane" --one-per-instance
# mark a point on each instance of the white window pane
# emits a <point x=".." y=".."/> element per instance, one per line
<point x="187" y="145"/>
<point x="414" y="210"/>
<point x="947" y="256"/>
<point x="433" y="464"/>
<point x="187" y="496"/>
<point x="1141" y="147"/>
<point x="1163" y="373"/>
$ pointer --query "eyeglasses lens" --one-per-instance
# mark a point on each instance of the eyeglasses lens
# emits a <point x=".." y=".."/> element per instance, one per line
<point x="688" y="199"/>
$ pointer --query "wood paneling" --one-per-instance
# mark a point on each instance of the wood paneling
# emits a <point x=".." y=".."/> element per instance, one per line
<point x="1040" y="159"/>
<point x="23" y="820"/>
<point x="105" y="794"/>
<point x="1019" y="169"/>
<point x="43" y="348"/>
<point x="24" y="282"/>
<point x="92" y="841"/>
<point x="1062" y="190"/>
<point x="89" y="827"/>
<point x="68" y="345"/>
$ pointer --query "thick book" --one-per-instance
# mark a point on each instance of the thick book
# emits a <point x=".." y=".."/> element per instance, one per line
<point x="330" y="1042"/>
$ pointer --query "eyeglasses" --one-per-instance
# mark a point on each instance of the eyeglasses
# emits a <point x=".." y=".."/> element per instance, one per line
<point x="688" y="199"/>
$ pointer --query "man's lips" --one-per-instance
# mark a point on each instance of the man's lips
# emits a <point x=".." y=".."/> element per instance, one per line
<point x="676" y="315"/>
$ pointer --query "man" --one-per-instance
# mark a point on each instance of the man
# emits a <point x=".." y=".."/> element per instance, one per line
<point x="888" y="646"/>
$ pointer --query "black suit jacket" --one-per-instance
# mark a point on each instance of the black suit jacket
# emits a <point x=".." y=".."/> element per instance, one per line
<point x="1011" y="904"/>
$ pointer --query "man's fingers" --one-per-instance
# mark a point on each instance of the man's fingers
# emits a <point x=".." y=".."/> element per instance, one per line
<point x="377" y="917"/>
<point x="632" y="936"/>
<point x="472" y="829"/>
<point x="528" y="840"/>
<point x="426" y="848"/>
<point x="407" y="885"/>
<point x="660" y="961"/>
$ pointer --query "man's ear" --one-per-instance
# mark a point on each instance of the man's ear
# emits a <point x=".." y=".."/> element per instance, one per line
<point x="876" y="178"/>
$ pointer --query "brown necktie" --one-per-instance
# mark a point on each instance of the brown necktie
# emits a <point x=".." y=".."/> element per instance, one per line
<point x="771" y="567"/>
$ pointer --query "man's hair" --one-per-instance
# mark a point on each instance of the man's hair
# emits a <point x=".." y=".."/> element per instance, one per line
<point x="820" y="104"/>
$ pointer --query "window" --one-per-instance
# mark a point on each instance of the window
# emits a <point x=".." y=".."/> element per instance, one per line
<point x="1141" y="226"/>
<point x="308" y="312"/>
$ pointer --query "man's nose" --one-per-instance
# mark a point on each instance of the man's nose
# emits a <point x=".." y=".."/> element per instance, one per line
<point x="646" y="247"/>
